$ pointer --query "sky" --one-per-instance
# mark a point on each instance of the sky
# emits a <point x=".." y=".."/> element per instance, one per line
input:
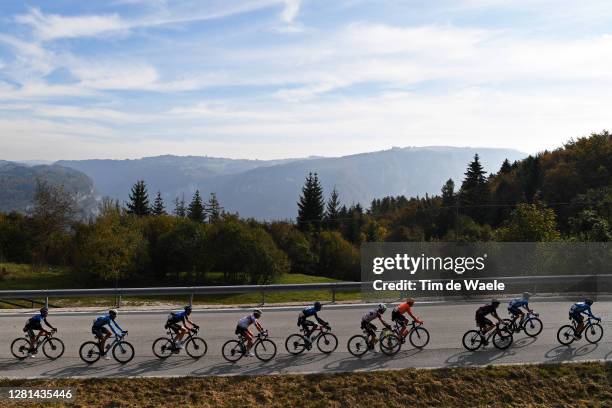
<point x="293" y="78"/>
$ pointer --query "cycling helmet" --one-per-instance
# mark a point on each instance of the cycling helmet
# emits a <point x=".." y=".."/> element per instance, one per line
<point x="187" y="309"/>
<point x="588" y="301"/>
<point x="113" y="313"/>
<point x="317" y="306"/>
<point x="526" y="295"/>
<point x="44" y="311"/>
<point x="381" y="308"/>
<point x="495" y="303"/>
<point x="257" y="313"/>
<point x="410" y="301"/>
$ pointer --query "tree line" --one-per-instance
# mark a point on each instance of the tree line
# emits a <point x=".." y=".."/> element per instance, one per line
<point x="565" y="194"/>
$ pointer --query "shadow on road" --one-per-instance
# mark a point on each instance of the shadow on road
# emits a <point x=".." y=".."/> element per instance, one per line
<point x="567" y="353"/>
<point x="12" y="364"/>
<point x="524" y="342"/>
<point x="477" y="358"/>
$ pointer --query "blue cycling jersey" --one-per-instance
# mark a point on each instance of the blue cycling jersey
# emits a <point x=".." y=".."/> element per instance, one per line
<point x="581" y="307"/>
<point x="106" y="320"/>
<point x="517" y="303"/>
<point x="178" y="316"/>
<point x="37" y="318"/>
<point x="309" y="311"/>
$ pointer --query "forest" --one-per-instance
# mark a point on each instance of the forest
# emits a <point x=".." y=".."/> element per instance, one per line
<point x="559" y="195"/>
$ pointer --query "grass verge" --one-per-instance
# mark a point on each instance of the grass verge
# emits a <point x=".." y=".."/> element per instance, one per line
<point x="559" y="385"/>
<point x="19" y="276"/>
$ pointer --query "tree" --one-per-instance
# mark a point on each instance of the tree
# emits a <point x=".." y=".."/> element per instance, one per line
<point x="447" y="216"/>
<point x="179" y="207"/>
<point x="474" y="193"/>
<point x="196" y="209"/>
<point x="332" y="210"/>
<point x="158" y="205"/>
<point x="311" y="204"/>
<point x="337" y="258"/>
<point x="530" y="223"/>
<point x="139" y="200"/>
<point x="506" y="167"/>
<point x="213" y="210"/>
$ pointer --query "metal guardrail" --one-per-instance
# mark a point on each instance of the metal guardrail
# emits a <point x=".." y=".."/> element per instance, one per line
<point x="335" y="287"/>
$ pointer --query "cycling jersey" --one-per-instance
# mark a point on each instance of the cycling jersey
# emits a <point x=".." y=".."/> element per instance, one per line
<point x="371" y="315"/>
<point x="36" y="319"/>
<point x="246" y="321"/>
<point x="106" y="320"/>
<point x="518" y="303"/>
<point x="175" y="317"/>
<point x="403" y="308"/>
<point x="581" y="307"/>
<point x="486" y="310"/>
<point x="309" y="311"/>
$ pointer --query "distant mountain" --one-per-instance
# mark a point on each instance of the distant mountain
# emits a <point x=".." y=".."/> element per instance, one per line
<point x="18" y="183"/>
<point x="270" y="189"/>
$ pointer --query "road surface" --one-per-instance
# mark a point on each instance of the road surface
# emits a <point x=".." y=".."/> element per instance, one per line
<point x="446" y="323"/>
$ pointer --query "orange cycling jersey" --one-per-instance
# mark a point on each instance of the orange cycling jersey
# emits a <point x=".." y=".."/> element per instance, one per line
<point x="404" y="308"/>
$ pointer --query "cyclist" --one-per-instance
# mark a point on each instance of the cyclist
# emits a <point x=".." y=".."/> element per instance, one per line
<point x="35" y="323"/>
<point x="308" y="326"/>
<point x="575" y="313"/>
<point x="242" y="328"/>
<point x="481" y="316"/>
<point x="515" y="305"/>
<point x="180" y="323"/>
<point x="102" y="333"/>
<point x="397" y="315"/>
<point x="369" y="327"/>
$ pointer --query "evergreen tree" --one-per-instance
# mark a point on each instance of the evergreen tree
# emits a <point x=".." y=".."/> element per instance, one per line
<point x="158" y="205"/>
<point x="214" y="209"/>
<point x="196" y="208"/>
<point x="332" y="210"/>
<point x="506" y="167"/>
<point x="474" y="193"/>
<point x="311" y="204"/>
<point x="179" y="206"/>
<point x="139" y="200"/>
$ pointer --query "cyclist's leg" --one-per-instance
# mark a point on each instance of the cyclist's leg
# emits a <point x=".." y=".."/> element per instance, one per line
<point x="249" y="338"/>
<point x="579" y="320"/>
<point x="180" y="332"/>
<point x="31" y="336"/>
<point x="308" y="327"/>
<point x="104" y="334"/>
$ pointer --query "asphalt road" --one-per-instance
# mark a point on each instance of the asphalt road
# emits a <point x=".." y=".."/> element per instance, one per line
<point x="446" y="323"/>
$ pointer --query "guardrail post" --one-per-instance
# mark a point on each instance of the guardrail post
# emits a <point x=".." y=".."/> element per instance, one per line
<point x="47" y="302"/>
<point x="191" y="299"/>
<point x="333" y="294"/>
<point x="263" y="297"/>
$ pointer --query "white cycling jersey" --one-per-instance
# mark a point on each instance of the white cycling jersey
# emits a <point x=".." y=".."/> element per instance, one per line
<point x="369" y="316"/>
<point x="246" y="321"/>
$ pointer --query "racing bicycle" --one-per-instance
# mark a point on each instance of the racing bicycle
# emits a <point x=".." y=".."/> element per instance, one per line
<point x="234" y="350"/>
<point x="52" y="347"/>
<point x="416" y="334"/>
<point x="501" y="336"/>
<point x="529" y="323"/>
<point x="593" y="332"/>
<point x="326" y="341"/>
<point x="390" y="343"/>
<point x="194" y="346"/>
<point x="122" y="351"/>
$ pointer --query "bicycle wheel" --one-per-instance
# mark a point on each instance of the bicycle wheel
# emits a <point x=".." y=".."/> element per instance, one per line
<point x="20" y="348"/>
<point x="390" y="344"/>
<point x="472" y="340"/>
<point x="357" y="345"/>
<point x="565" y="335"/>
<point x="162" y="347"/>
<point x="233" y="350"/>
<point x="502" y="340"/>
<point x="53" y="348"/>
<point x="419" y="337"/>
<point x="509" y="324"/>
<point x="123" y="352"/>
<point x="89" y="352"/>
<point x="265" y="350"/>
<point x="327" y="343"/>
<point x="296" y="344"/>
<point x="533" y="326"/>
<point x="196" y="347"/>
<point x="593" y="333"/>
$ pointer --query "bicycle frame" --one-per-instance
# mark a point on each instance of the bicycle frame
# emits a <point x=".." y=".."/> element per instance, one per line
<point x="588" y="323"/>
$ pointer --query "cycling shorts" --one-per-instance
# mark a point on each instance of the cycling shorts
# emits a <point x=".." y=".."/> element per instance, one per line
<point x="577" y="317"/>
<point x="30" y="327"/>
<point x="175" y="327"/>
<point x="241" y="331"/>
<point x="370" y="328"/>
<point x="514" y="311"/>
<point x="482" y="321"/>
<point x="100" y="331"/>
<point x="399" y="317"/>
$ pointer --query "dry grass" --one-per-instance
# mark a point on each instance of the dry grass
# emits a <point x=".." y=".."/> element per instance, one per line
<point x="567" y="385"/>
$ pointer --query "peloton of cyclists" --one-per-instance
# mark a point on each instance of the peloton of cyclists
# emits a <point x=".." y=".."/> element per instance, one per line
<point x="369" y="327"/>
<point x="514" y="308"/>
<point x="575" y="313"/>
<point x="35" y="323"/>
<point x="397" y="315"/>
<point x="102" y="333"/>
<point x="242" y="328"/>
<point x="308" y="326"/>
<point x="180" y="324"/>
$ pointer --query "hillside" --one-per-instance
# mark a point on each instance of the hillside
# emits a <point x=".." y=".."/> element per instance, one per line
<point x="270" y="189"/>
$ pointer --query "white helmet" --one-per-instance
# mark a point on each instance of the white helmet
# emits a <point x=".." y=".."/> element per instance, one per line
<point x="113" y="313"/>
<point x="381" y="308"/>
<point x="257" y="313"/>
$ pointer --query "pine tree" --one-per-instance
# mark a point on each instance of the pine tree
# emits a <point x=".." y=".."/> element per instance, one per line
<point x="311" y="204"/>
<point x="179" y="206"/>
<point x="474" y="193"/>
<point x="332" y="210"/>
<point x="196" y="208"/>
<point x="214" y="209"/>
<point x="158" y="205"/>
<point x="139" y="200"/>
<point x="506" y="167"/>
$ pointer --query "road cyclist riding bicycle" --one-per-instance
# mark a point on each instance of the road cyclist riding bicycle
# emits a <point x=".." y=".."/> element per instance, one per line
<point x="576" y="312"/>
<point x="514" y="308"/>
<point x="180" y="323"/>
<point x="308" y="326"/>
<point x="369" y="327"/>
<point x="102" y="333"/>
<point x="242" y="329"/>
<point x="397" y="315"/>
<point x="35" y="323"/>
<point x="482" y="312"/>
